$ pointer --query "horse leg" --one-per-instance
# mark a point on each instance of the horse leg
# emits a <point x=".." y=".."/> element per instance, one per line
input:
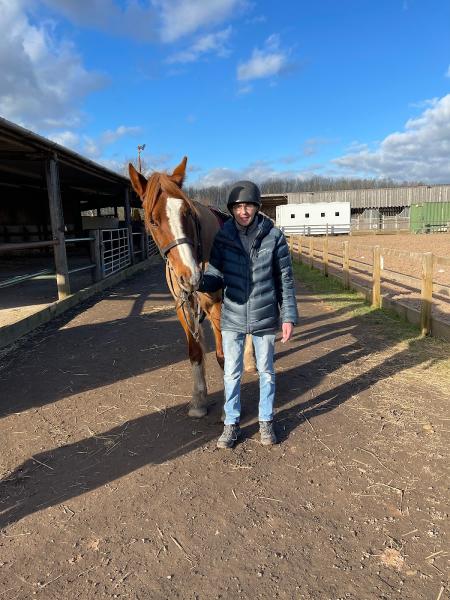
<point x="249" y="355"/>
<point x="213" y="309"/>
<point x="197" y="406"/>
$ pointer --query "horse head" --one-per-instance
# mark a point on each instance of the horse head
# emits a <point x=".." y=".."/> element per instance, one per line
<point x="173" y="222"/>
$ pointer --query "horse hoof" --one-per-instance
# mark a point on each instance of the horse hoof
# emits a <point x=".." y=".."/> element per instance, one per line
<point x="196" y="412"/>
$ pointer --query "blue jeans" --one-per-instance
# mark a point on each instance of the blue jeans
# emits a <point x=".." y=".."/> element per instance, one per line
<point x="233" y="349"/>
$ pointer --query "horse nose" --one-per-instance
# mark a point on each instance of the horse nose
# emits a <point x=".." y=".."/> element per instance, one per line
<point x="195" y="278"/>
<point x="190" y="281"/>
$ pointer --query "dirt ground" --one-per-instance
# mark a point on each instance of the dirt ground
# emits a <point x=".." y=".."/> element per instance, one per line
<point x="109" y="490"/>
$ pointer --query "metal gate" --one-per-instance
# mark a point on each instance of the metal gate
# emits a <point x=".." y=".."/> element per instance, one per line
<point x="115" y="250"/>
<point x="152" y="247"/>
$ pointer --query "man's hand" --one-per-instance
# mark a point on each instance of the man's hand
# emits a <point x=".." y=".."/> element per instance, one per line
<point x="287" y="329"/>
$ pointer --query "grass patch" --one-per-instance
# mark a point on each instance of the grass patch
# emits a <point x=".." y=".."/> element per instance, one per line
<point x="432" y="353"/>
<point x="331" y="290"/>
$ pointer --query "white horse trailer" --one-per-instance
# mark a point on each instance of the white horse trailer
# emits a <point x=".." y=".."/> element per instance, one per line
<point x="314" y="218"/>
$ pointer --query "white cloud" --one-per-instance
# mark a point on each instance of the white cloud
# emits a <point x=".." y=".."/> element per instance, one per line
<point x="447" y="74"/>
<point x="211" y="43"/>
<point x="313" y="145"/>
<point x="148" y="20"/>
<point x="95" y="147"/>
<point x="269" y="62"/>
<point x="257" y="171"/>
<point x="183" y="17"/>
<point x="42" y="79"/>
<point x="132" y="18"/>
<point x="244" y="89"/>
<point x="419" y="153"/>
<point x="110" y="136"/>
<point x="69" y="139"/>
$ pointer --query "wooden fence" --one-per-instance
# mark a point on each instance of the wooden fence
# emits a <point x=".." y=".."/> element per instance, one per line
<point x="316" y="253"/>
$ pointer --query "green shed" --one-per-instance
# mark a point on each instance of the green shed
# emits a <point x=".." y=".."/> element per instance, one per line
<point x="430" y="217"/>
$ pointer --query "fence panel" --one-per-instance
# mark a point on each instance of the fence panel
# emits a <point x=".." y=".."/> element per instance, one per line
<point x="152" y="247"/>
<point x="115" y="250"/>
<point x="343" y="266"/>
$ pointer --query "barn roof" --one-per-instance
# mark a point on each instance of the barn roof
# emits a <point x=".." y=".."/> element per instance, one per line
<point x="23" y="154"/>
<point x="368" y="198"/>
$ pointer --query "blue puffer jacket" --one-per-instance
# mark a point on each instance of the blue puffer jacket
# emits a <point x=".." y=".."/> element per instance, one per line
<point x="256" y="287"/>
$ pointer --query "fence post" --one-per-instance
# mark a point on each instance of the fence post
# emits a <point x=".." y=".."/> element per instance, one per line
<point x="291" y="244"/>
<point x="311" y="252"/>
<point x="95" y="252"/>
<point x="376" y="278"/>
<point x="346" y="265"/>
<point x="325" y="255"/>
<point x="300" y="242"/>
<point x="127" y="210"/>
<point x="296" y="252"/>
<point x="57" y="224"/>
<point x="427" y="293"/>
<point x="145" y="242"/>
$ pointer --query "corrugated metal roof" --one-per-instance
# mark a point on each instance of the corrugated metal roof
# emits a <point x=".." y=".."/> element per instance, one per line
<point x="376" y="198"/>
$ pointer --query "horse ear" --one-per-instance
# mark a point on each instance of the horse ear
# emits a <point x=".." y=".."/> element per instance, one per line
<point x="179" y="173"/>
<point x="138" y="181"/>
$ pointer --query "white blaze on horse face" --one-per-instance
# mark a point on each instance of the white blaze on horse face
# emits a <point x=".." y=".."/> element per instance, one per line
<point x="173" y="211"/>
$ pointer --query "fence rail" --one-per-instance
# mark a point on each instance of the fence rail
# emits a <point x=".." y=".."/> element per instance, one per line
<point x="115" y="250"/>
<point x="109" y="251"/>
<point x="315" y="253"/>
<point x="152" y="248"/>
<point x="318" y="229"/>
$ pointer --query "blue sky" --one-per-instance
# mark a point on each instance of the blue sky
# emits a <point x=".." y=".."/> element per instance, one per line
<point x="244" y="88"/>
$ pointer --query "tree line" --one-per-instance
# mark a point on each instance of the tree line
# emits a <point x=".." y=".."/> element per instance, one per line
<point x="217" y="195"/>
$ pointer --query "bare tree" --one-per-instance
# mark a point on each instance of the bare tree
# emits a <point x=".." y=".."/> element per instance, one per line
<point x="217" y="195"/>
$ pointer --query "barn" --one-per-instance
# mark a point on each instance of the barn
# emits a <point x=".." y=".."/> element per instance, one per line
<point x="403" y="208"/>
<point x="67" y="229"/>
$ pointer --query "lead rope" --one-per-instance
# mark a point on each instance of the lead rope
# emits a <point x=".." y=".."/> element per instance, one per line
<point x="189" y="304"/>
<point x="189" y="299"/>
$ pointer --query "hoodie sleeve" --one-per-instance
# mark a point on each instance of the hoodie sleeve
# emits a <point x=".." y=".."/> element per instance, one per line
<point x="285" y="282"/>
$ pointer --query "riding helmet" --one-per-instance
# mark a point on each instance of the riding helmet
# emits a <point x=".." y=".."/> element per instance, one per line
<point x="243" y="192"/>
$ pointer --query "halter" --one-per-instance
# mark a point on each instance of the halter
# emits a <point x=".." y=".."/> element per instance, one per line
<point x="187" y="301"/>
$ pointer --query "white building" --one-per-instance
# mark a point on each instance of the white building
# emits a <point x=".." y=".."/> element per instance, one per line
<point x="316" y="218"/>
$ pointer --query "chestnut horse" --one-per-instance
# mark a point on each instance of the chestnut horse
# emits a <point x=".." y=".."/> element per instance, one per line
<point x="184" y="231"/>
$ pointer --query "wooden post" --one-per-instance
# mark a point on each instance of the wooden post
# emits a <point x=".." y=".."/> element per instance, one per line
<point x="57" y="222"/>
<point x="346" y="265"/>
<point x="291" y="244"/>
<point x="311" y="252"/>
<point x="376" y="278"/>
<point x="143" y="245"/>
<point x="128" y="224"/>
<point x="95" y="251"/>
<point x="145" y="239"/>
<point x="325" y="255"/>
<point x="300" y="242"/>
<point x="427" y="293"/>
<point x="297" y="239"/>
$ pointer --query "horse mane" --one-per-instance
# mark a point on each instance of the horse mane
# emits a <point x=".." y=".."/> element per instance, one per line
<point x="156" y="183"/>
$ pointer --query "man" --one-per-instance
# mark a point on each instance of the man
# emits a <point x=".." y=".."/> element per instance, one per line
<point x="250" y="261"/>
